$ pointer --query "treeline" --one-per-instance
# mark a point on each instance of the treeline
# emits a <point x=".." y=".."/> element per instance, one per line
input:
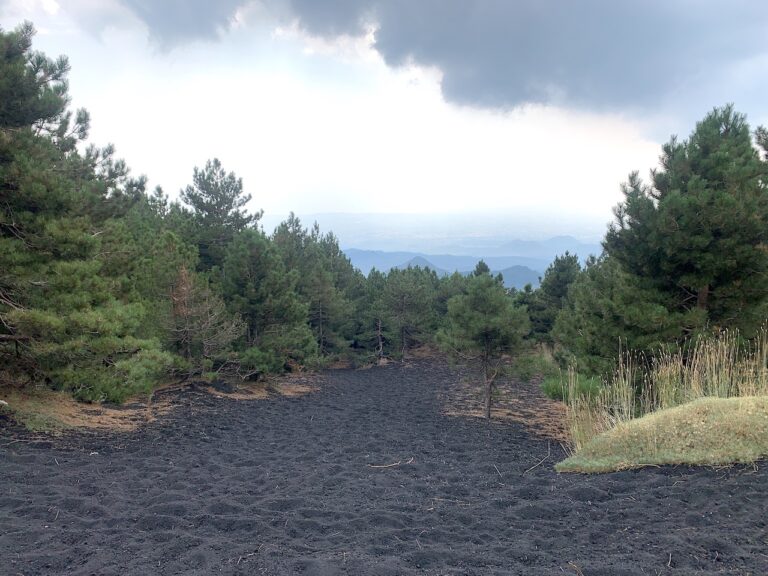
<point x="107" y="288"/>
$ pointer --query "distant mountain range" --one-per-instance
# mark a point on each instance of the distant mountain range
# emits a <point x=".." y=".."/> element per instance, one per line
<point x="544" y="234"/>
<point x="422" y="262"/>
<point x="365" y="260"/>
<point x="524" y="263"/>
<point x="521" y="262"/>
<point x="514" y="276"/>
<point x="450" y="243"/>
<point x="549" y="248"/>
<point x="519" y="276"/>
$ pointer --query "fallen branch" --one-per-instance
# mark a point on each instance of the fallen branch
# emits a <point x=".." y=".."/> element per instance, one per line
<point x="398" y="463"/>
<point x="540" y="462"/>
<point x="13" y="338"/>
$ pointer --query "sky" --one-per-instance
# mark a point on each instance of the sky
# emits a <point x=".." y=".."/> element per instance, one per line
<point x="538" y="109"/>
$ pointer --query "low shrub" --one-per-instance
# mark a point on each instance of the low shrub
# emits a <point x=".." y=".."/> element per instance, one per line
<point x="540" y="363"/>
<point x="116" y="382"/>
<point x="558" y="388"/>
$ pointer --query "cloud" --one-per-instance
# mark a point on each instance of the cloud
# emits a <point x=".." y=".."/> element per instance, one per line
<point x="591" y="54"/>
<point x="173" y="22"/>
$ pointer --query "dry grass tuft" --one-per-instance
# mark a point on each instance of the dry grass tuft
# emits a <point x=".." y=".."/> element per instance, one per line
<point x="705" y="431"/>
<point x="40" y="409"/>
<point x="521" y="402"/>
<point x="43" y="410"/>
<point x="242" y="392"/>
<point x="293" y="389"/>
<point x="715" y="368"/>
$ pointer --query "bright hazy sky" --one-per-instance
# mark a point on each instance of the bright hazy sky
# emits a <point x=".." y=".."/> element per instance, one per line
<point x="405" y="105"/>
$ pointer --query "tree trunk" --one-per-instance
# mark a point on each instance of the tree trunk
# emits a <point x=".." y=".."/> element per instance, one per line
<point x="379" y="340"/>
<point x="320" y="330"/>
<point x="488" y="385"/>
<point x="702" y="297"/>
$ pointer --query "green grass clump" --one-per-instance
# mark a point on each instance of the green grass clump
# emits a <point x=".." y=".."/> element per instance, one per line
<point x="558" y="388"/>
<point x="707" y="431"/>
<point x="535" y="363"/>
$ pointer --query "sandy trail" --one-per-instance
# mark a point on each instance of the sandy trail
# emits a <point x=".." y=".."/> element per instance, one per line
<point x="366" y="476"/>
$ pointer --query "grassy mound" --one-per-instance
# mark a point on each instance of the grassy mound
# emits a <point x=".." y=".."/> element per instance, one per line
<point x="706" y="431"/>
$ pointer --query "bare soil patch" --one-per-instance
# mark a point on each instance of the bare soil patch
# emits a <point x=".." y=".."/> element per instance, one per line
<point x="514" y="401"/>
<point x="365" y="476"/>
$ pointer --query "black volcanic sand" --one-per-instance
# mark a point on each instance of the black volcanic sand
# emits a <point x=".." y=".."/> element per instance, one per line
<point x="287" y="486"/>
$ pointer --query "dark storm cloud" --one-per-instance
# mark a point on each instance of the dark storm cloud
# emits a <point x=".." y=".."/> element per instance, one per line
<point x="173" y="22"/>
<point x="499" y="53"/>
<point x="594" y="53"/>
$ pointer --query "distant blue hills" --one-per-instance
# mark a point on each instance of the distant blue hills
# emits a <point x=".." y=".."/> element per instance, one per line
<point x="525" y="263"/>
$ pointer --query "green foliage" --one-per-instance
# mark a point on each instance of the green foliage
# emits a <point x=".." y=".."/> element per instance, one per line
<point x="556" y="387"/>
<point x="69" y="313"/>
<point x="408" y="299"/>
<point x="33" y="88"/>
<point x="481" y="268"/>
<point x="326" y="281"/>
<point x="91" y="351"/>
<point x="608" y="309"/>
<point x="260" y="290"/>
<point x="136" y="374"/>
<point x="216" y="201"/>
<point x="482" y="326"/>
<point x="376" y="332"/>
<point x="447" y="288"/>
<point x="484" y="322"/>
<point x="534" y="364"/>
<point x="550" y="297"/>
<point x="698" y="232"/>
<point x="685" y="254"/>
<point x="255" y="361"/>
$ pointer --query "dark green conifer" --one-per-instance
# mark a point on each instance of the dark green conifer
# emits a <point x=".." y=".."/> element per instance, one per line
<point x="482" y="327"/>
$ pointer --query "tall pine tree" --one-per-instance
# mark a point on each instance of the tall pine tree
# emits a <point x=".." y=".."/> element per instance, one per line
<point x="698" y="231"/>
<point x="217" y="203"/>
<point x="260" y="290"/>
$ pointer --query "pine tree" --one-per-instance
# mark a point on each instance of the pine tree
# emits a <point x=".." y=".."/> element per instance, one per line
<point x="66" y="302"/>
<point x="481" y="268"/>
<point x="687" y="252"/>
<point x="698" y="232"/>
<point x="447" y="288"/>
<point x="261" y="291"/>
<point x="376" y="334"/>
<point x="482" y="327"/>
<point x="608" y="310"/>
<point x="409" y="299"/>
<point x="33" y="88"/>
<point x="545" y="303"/>
<point x="327" y="283"/>
<point x="216" y="200"/>
<point x="202" y="329"/>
